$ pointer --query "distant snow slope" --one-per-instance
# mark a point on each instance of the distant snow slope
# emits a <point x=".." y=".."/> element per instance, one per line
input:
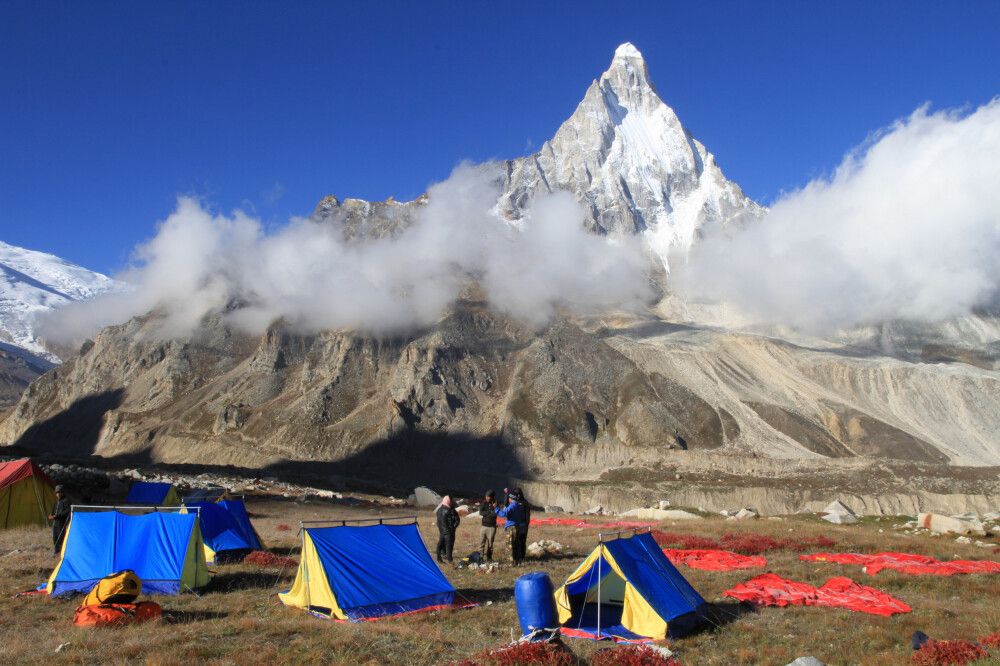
<point x="33" y="282"/>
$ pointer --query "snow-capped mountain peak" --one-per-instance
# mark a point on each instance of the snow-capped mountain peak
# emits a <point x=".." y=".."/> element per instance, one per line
<point x="631" y="162"/>
<point x="33" y="282"/>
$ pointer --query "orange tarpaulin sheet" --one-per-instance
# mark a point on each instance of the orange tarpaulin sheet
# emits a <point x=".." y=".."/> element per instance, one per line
<point x="917" y="565"/>
<point x="713" y="560"/>
<point x="772" y="590"/>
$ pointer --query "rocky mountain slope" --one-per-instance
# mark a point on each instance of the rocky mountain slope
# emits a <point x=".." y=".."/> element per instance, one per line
<point x="675" y="401"/>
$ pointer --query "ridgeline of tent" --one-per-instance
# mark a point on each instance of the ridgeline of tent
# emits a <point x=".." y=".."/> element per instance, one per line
<point x="26" y="494"/>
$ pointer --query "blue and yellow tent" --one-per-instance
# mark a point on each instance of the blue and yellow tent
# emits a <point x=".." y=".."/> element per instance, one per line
<point x="164" y="549"/>
<point x="225" y="529"/>
<point x="150" y="493"/>
<point x="627" y="590"/>
<point x="366" y="572"/>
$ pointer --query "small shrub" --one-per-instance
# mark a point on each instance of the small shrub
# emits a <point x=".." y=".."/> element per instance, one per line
<point x="523" y="654"/>
<point x="265" y="558"/>
<point x="632" y="655"/>
<point x="948" y="653"/>
<point x="991" y="640"/>
<point x="283" y="527"/>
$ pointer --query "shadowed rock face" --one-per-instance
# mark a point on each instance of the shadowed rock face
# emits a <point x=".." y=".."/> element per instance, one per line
<point x="478" y="398"/>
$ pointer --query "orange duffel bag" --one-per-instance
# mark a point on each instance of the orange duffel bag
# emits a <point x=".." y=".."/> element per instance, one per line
<point x="115" y="615"/>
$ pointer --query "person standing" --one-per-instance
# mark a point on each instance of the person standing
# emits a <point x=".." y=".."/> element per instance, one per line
<point x="59" y="518"/>
<point x="516" y="527"/>
<point x="447" y="523"/>
<point x="488" y="530"/>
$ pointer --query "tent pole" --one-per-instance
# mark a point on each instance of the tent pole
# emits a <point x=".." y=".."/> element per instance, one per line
<point x="599" y="581"/>
<point x="305" y="568"/>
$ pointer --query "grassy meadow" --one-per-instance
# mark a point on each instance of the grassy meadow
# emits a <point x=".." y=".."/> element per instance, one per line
<point x="238" y="618"/>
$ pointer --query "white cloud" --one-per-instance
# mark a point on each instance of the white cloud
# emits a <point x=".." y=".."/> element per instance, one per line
<point x="908" y="227"/>
<point x="308" y="275"/>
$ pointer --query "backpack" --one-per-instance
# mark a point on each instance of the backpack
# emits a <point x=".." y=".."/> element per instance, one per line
<point x="119" y="588"/>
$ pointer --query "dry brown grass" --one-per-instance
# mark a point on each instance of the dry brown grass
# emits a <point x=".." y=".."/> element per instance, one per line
<point x="239" y="619"/>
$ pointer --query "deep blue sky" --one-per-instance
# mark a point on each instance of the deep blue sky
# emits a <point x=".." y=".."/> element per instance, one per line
<point x="108" y="111"/>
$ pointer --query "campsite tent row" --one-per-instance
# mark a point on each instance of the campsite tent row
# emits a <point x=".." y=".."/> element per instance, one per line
<point x="626" y="589"/>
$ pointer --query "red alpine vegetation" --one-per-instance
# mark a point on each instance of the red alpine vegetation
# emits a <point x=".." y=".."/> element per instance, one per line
<point x="991" y="640"/>
<point x="523" y="654"/>
<point x="947" y="653"/>
<point x="632" y="655"/>
<point x="686" y="541"/>
<point x="264" y="558"/>
<point x="282" y="527"/>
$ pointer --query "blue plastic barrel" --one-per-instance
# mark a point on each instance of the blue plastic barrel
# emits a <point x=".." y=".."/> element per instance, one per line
<point x="536" y="602"/>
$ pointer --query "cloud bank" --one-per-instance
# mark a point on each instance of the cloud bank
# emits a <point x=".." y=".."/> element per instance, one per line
<point x="908" y="227"/>
<point x="200" y="262"/>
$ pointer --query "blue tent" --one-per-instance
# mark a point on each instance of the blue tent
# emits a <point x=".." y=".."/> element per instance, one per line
<point x="149" y="493"/>
<point x="628" y="590"/>
<point x="210" y="494"/>
<point x="226" y="529"/>
<point x="163" y="549"/>
<point x="364" y="572"/>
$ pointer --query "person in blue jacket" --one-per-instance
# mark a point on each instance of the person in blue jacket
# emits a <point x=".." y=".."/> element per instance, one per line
<point x="517" y="513"/>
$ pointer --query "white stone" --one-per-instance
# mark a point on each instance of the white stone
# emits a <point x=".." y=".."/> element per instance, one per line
<point x="838" y="507"/>
<point x="594" y="511"/>
<point x="663" y="504"/>
<point x="945" y="524"/>
<point x="425" y="498"/>
<point x="745" y="514"/>
<point x="806" y="661"/>
<point x="554" y="509"/>
<point x="544" y="547"/>
<point x="840" y="519"/>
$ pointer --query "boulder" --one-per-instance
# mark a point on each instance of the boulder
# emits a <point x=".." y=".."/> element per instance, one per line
<point x="543" y="548"/>
<point x="554" y="509"/>
<point x="939" y="524"/>
<point x="806" y="661"/>
<point x="838" y="513"/>
<point x="745" y="514"/>
<point x="663" y="504"/>
<point x="838" y="507"/>
<point x="594" y="511"/>
<point x="662" y="514"/>
<point x="425" y="498"/>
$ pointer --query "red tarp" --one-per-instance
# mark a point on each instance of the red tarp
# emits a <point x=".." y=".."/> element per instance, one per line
<point x="15" y="470"/>
<point x="917" y="565"/>
<point x="772" y="590"/>
<point x="714" y="560"/>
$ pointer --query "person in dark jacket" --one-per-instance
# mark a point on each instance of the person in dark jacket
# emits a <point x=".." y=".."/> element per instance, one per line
<point x="518" y="516"/>
<point x="488" y="531"/>
<point x="447" y="523"/>
<point x="59" y="518"/>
